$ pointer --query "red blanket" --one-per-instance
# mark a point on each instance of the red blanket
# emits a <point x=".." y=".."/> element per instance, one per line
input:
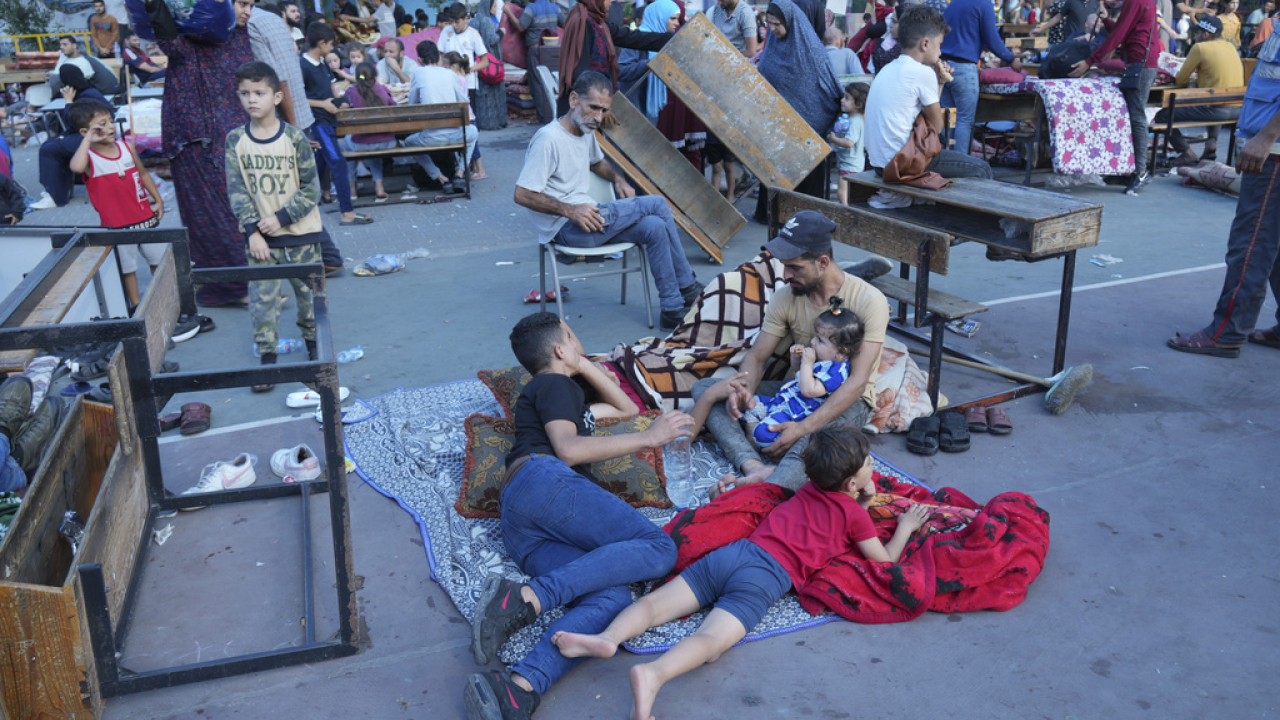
<point x="987" y="565"/>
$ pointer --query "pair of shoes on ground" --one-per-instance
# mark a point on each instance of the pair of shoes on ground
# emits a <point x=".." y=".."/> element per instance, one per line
<point x="500" y="612"/>
<point x="535" y="295"/>
<point x="100" y="393"/>
<point x="994" y="420"/>
<point x="295" y="464"/>
<point x="1200" y="343"/>
<point x="28" y="432"/>
<point x="193" y="419"/>
<point x="454" y="186"/>
<point x="689" y="295"/>
<point x="943" y="431"/>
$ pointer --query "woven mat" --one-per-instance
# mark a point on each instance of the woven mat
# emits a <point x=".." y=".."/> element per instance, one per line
<point x="413" y="451"/>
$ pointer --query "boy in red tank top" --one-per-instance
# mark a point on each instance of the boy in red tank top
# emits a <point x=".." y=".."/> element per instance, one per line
<point x="121" y="191"/>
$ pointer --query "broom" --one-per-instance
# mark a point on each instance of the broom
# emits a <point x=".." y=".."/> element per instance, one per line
<point x="1062" y="387"/>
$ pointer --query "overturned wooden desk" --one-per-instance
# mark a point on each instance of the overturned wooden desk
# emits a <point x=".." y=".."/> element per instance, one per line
<point x="1021" y="223"/>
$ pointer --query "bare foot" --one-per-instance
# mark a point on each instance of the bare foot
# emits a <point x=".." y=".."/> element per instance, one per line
<point x="574" y="645"/>
<point x="644" y="688"/>
<point x="755" y="472"/>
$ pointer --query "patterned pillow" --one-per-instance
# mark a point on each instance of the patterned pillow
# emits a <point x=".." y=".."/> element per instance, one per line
<point x="636" y="478"/>
<point x="505" y="385"/>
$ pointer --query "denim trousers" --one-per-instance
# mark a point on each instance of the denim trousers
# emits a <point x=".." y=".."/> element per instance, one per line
<point x="438" y="138"/>
<point x="55" y="166"/>
<point x="1252" y="251"/>
<point x="375" y="164"/>
<point x="951" y="165"/>
<point x="329" y="159"/>
<point x="962" y="94"/>
<point x="12" y="478"/>
<point x="1136" y="100"/>
<point x="582" y="546"/>
<point x="647" y="222"/>
<point x="738" y="449"/>
<point x="1191" y="114"/>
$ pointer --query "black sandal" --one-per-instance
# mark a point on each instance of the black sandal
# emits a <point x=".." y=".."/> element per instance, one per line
<point x="953" y="433"/>
<point x="922" y="436"/>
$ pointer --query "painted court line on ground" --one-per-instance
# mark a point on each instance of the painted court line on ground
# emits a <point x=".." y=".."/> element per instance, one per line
<point x="234" y="428"/>
<point x="1110" y="283"/>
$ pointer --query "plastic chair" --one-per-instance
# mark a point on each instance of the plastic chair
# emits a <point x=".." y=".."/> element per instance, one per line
<point x="602" y="191"/>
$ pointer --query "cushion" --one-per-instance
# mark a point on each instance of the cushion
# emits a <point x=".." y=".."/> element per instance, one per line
<point x="636" y="478"/>
<point x="505" y="385"/>
<point x="1000" y="76"/>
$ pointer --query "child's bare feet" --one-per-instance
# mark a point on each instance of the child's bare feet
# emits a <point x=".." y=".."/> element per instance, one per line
<point x="753" y="472"/>
<point x="644" y="688"/>
<point x="574" y="645"/>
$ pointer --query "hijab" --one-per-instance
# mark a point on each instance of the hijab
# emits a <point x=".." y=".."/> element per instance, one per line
<point x="787" y="62"/>
<point x="656" y="15"/>
<point x="573" y="42"/>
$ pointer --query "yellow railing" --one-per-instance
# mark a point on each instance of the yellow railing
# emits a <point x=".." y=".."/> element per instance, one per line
<point x="40" y="38"/>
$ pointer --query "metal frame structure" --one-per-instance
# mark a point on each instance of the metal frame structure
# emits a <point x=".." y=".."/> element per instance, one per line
<point x="151" y="392"/>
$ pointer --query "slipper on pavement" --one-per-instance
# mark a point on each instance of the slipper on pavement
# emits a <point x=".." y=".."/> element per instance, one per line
<point x="976" y="418"/>
<point x="1269" y="338"/>
<point x="998" y="422"/>
<point x="953" y="433"/>
<point x="922" y="436"/>
<point x="311" y="398"/>
<point x="533" y="297"/>
<point x="357" y="220"/>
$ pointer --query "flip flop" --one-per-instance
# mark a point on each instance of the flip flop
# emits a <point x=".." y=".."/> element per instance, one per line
<point x="79" y="387"/>
<point x="100" y="394"/>
<point x="170" y="421"/>
<point x="533" y="297"/>
<point x="195" y="418"/>
<point x="922" y="436"/>
<point x="998" y="421"/>
<point x="953" y="433"/>
<point x="311" y="398"/>
<point x="976" y="418"/>
<point x="357" y="220"/>
<point x="1269" y="338"/>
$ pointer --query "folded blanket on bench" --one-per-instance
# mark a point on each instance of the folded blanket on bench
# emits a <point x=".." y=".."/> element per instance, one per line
<point x="967" y="557"/>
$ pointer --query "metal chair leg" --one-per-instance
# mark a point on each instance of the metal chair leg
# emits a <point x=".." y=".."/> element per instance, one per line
<point x="543" y="250"/>
<point x="624" y="276"/>
<point x="645" y="274"/>
<point x="555" y="274"/>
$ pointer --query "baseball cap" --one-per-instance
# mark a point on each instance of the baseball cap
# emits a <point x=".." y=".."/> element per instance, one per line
<point x="1210" y="24"/>
<point x="808" y="231"/>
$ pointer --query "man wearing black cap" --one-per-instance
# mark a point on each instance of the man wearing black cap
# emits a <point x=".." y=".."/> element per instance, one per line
<point x="804" y="247"/>
<point x="1217" y="65"/>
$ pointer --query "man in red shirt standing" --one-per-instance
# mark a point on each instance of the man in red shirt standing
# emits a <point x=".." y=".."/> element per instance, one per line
<point x="1133" y="30"/>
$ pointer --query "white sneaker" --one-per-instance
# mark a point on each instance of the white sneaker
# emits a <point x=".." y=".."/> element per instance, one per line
<point x="298" y="463"/>
<point x="223" y="475"/>
<point x="311" y="398"/>
<point x="44" y="203"/>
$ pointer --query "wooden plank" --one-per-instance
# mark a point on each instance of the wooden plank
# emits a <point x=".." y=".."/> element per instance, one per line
<point x="942" y="304"/>
<point x="159" y="310"/>
<point x="639" y="179"/>
<point x="399" y="151"/>
<point x="873" y="232"/>
<point x="401" y="127"/>
<point x="988" y="196"/>
<point x="39" y="640"/>
<point x="400" y="112"/>
<point x="55" y="302"/>
<point x="683" y="185"/>
<point x="115" y="527"/>
<point x="738" y="105"/>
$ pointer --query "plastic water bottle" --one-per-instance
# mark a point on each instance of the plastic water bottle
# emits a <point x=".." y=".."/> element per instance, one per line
<point x="285" y="346"/>
<point x="352" y="355"/>
<point x="842" y="125"/>
<point x="678" y="462"/>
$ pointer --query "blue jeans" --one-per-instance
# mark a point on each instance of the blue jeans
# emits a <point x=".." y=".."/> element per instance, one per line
<point x="738" y="449"/>
<point x="951" y="165"/>
<point x="438" y="138"/>
<point x="1253" y="249"/>
<point x="55" y="166"/>
<point x="375" y="164"/>
<point x="329" y="158"/>
<point x="582" y="546"/>
<point x="647" y="222"/>
<point x="962" y="94"/>
<point x="12" y="477"/>
<point x="1136" y="101"/>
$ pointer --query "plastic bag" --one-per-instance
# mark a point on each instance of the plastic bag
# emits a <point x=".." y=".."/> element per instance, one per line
<point x="207" y="20"/>
<point x="379" y="265"/>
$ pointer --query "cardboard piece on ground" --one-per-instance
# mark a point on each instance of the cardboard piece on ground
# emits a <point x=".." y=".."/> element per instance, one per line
<point x="652" y="163"/>
<point x="738" y="105"/>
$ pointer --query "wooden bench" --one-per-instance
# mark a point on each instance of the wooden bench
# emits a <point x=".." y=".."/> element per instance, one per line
<point x="1042" y="225"/>
<point x="405" y="120"/>
<point x="1195" y="97"/>
<point x="911" y="246"/>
